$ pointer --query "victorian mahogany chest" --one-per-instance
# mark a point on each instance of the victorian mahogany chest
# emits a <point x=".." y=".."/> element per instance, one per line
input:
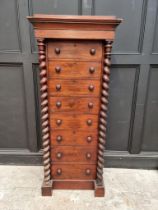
<point x="74" y="62"/>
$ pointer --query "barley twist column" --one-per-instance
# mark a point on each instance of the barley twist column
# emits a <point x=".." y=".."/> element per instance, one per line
<point x="44" y="111"/>
<point x="103" y="111"/>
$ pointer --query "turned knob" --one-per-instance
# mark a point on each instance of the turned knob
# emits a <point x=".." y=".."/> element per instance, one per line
<point x="90" y="105"/>
<point x="58" y="122"/>
<point x="92" y="51"/>
<point x="91" y="69"/>
<point x="58" y="87"/>
<point x="88" y="171"/>
<point x="57" y="50"/>
<point x="91" y="87"/>
<point x="58" y="104"/>
<point x="59" y="155"/>
<point x="88" y="155"/>
<point x="58" y="69"/>
<point x="89" y="122"/>
<point x="59" y="138"/>
<point x="59" y="171"/>
<point x="89" y="138"/>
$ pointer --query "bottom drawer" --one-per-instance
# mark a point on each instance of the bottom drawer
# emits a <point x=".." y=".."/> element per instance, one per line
<point x="73" y="171"/>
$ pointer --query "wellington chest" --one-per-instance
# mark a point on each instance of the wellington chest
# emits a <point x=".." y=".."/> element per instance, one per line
<point x="74" y="62"/>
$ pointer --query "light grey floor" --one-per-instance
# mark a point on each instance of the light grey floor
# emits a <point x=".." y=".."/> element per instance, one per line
<point x="126" y="189"/>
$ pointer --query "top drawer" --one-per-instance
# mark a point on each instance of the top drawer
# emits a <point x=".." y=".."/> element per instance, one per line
<point x="82" y="50"/>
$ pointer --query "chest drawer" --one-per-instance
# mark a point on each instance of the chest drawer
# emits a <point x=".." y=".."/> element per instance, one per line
<point x="74" y="104"/>
<point x="74" y="87"/>
<point x="74" y="153"/>
<point x="73" y="171"/>
<point x="73" y="137"/>
<point x="73" y="121"/>
<point x="73" y="69"/>
<point x="82" y="50"/>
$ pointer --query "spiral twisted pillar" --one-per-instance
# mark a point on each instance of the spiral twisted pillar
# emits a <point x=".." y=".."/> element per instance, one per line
<point x="44" y="118"/>
<point x="103" y="111"/>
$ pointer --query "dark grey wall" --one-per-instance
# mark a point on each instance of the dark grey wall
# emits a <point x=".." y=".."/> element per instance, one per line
<point x="133" y="109"/>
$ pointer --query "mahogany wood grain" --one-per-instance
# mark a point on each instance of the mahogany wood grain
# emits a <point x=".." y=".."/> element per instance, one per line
<point x="73" y="87"/>
<point x="74" y="98"/>
<point x="73" y="184"/>
<point x="75" y="50"/>
<point x="71" y="26"/>
<point x="77" y="154"/>
<point x="75" y="27"/>
<point x="74" y="69"/>
<point x="83" y="105"/>
<point x="71" y="34"/>
<point x="74" y="19"/>
<point x="78" y="172"/>
<point x="73" y="121"/>
<point x="73" y="137"/>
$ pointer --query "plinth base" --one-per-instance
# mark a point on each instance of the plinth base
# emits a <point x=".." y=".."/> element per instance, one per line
<point x="99" y="189"/>
<point x="47" y="189"/>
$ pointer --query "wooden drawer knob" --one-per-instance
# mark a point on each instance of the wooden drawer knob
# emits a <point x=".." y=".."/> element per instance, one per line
<point x="59" y="171"/>
<point x="92" y="51"/>
<point x="89" y="138"/>
<point x="88" y="171"/>
<point x="90" y="105"/>
<point x="58" y="69"/>
<point x="91" y="87"/>
<point x="59" y="138"/>
<point x="91" y="69"/>
<point x="58" y="104"/>
<point x="58" y="122"/>
<point x="57" y="50"/>
<point x="58" y="87"/>
<point x="88" y="155"/>
<point x="89" y="122"/>
<point x="59" y="155"/>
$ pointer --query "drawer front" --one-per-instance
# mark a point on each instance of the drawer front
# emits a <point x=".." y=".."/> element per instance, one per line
<point x="74" y="153"/>
<point x="73" y="87"/>
<point x="74" y="69"/>
<point x="73" y="121"/>
<point x="82" y="50"/>
<point x="73" y="171"/>
<point x="74" y="104"/>
<point x="72" y="137"/>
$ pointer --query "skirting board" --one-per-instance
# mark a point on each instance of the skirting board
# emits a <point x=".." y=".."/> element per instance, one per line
<point x="113" y="159"/>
